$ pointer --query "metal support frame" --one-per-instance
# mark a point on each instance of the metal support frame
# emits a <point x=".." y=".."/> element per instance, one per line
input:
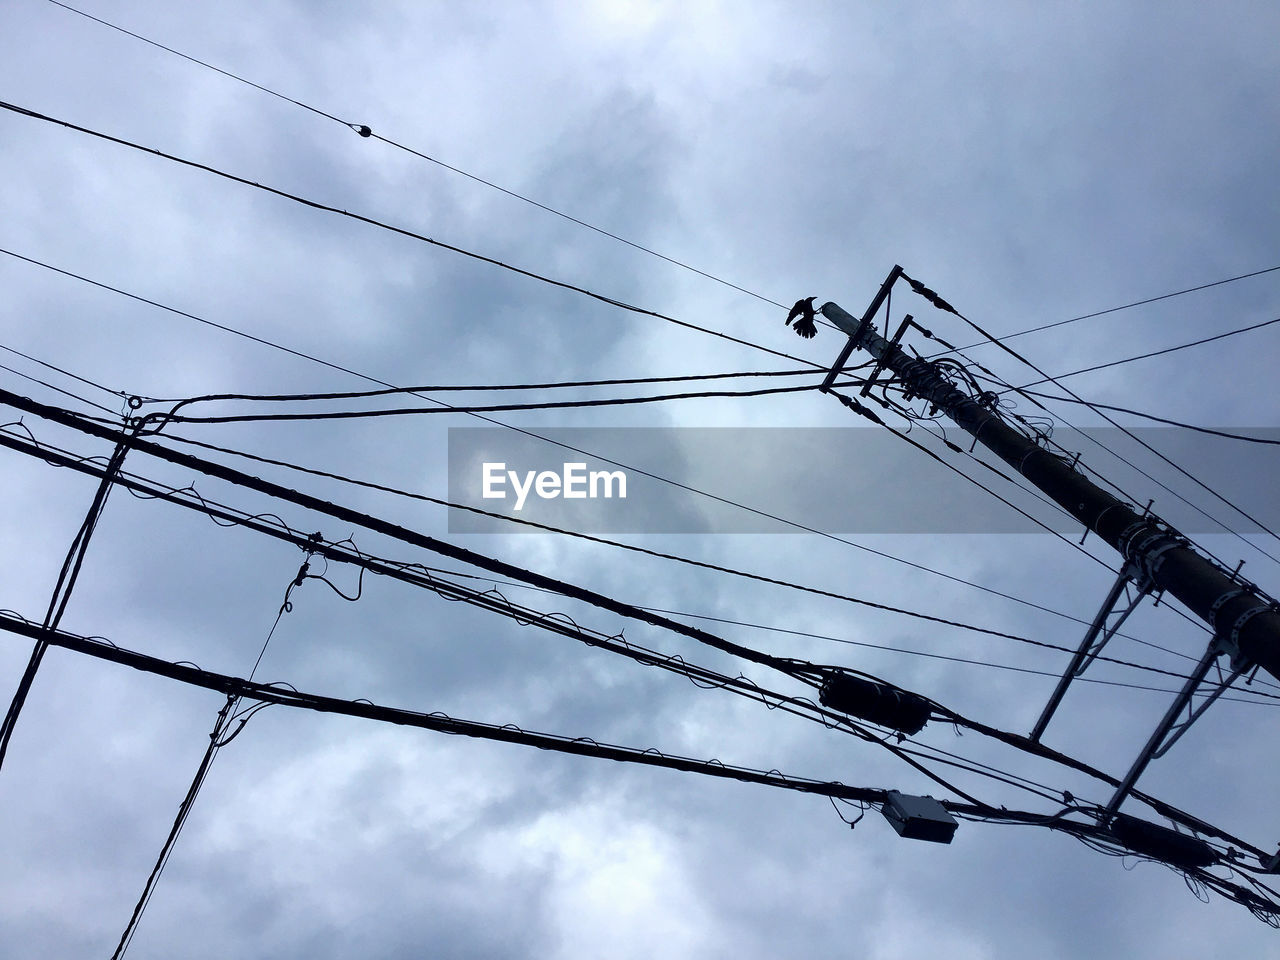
<point x="1100" y="631"/>
<point x="1224" y="681"/>
<point x="856" y="334"/>
<point x="879" y="367"/>
<point x="1170" y="728"/>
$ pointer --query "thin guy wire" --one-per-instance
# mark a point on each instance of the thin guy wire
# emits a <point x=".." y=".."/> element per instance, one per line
<point x="1143" y="356"/>
<point x="1102" y="313"/>
<point x="402" y="231"/>
<point x="359" y="128"/>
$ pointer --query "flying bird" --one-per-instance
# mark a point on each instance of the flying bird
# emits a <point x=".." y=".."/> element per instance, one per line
<point x="802" y="314"/>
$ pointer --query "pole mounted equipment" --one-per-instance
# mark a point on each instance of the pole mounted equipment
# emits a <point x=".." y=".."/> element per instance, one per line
<point x="1245" y="621"/>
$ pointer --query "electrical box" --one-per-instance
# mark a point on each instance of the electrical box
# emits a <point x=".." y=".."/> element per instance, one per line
<point x="1153" y="840"/>
<point x="919" y="818"/>
<point x="876" y="701"/>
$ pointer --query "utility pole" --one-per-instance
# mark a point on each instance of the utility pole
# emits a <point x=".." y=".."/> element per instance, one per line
<point x="1245" y="622"/>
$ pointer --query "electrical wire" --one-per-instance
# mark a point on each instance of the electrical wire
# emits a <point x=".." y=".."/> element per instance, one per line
<point x="885" y="555"/>
<point x="57" y="457"/>
<point x="489" y="408"/>
<point x="402" y="231"/>
<point x="582" y="746"/>
<point x="184" y="810"/>
<point x="425" y="498"/>
<point x="208" y="466"/>
<point x="600" y="297"/>
<point x="1143" y="356"/>
<point x="478" y="388"/>
<point x="1150" y="416"/>
<point x="57" y="389"/>
<point x="118" y="394"/>
<point x="943" y="305"/>
<point x="366" y="131"/>
<point x="1103" y="313"/>
<point x="413" y="573"/>
<point x="939" y="656"/>
<point x="1076" y="398"/>
<point x="275" y="693"/>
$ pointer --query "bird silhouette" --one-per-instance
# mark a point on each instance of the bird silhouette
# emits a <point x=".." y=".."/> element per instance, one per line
<point x="802" y="314"/>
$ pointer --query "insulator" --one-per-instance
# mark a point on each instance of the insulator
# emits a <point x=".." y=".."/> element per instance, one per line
<point x="1162" y="843"/>
<point x="876" y="702"/>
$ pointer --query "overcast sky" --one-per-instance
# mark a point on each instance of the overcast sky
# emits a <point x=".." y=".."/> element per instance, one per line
<point x="1031" y="163"/>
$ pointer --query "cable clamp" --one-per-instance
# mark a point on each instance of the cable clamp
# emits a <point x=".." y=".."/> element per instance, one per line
<point x="1219" y="603"/>
<point x="1239" y="661"/>
<point x="1156" y="557"/>
<point x="1097" y="521"/>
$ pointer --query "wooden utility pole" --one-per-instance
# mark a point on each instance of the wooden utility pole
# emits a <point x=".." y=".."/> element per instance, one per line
<point x="1245" y="622"/>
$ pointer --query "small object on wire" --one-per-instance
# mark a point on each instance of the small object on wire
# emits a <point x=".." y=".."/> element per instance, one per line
<point x="361" y="129"/>
<point x="802" y="314"/>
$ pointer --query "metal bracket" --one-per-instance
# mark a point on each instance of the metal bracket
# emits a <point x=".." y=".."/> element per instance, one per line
<point x="841" y="320"/>
<point x="1104" y="626"/>
<point x="1224" y="681"/>
<point x="1170" y="728"/>
<point x="879" y="367"/>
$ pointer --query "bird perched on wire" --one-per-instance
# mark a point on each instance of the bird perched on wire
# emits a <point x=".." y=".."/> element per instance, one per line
<point x="802" y="314"/>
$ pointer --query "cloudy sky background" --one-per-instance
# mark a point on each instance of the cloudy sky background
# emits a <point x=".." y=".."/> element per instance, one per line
<point x="1030" y="166"/>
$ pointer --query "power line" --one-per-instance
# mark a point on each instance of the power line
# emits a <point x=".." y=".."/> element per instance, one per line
<point x="366" y="131"/>
<point x="413" y="235"/>
<point x="509" y="733"/>
<point x="215" y="470"/>
<point x="398" y="532"/>
<point x="314" y="545"/>
<point x="1153" y="417"/>
<point x="494" y="601"/>
<point x="479" y="388"/>
<point x="490" y="408"/>
<point x="497" y="581"/>
<point x="1102" y="313"/>
<point x="1094" y="832"/>
<point x="416" y="575"/>
<point x="411" y="573"/>
<point x="57" y="389"/>
<point x="216" y="742"/>
<point x="66" y="373"/>
<point x="943" y="305"/>
<point x="534" y="435"/>
<point x="924" y="653"/>
<point x="1143" y="356"/>
<point x="729" y="502"/>
<point x="491" y="600"/>
<point x="865" y="412"/>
